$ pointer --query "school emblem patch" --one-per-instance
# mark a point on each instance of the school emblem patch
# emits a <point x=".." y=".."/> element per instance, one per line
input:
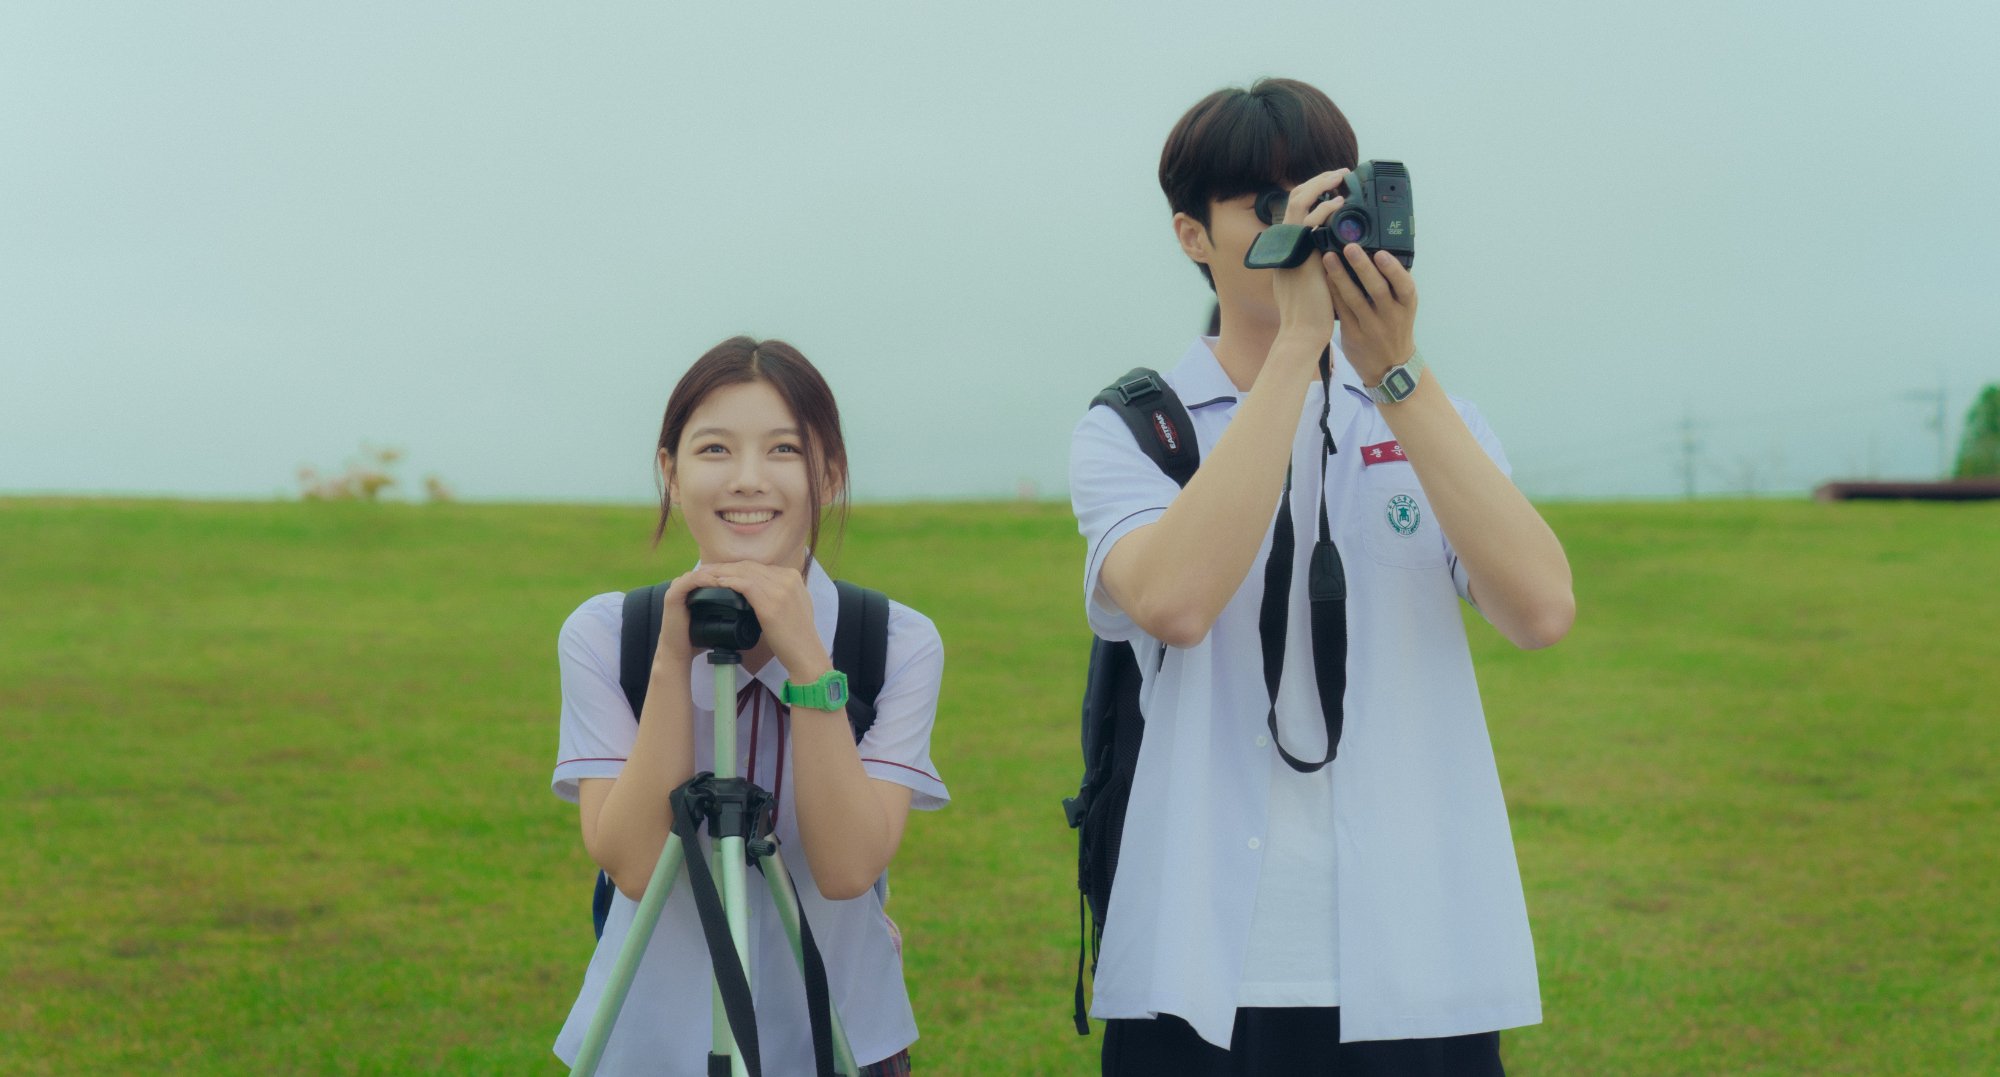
<point x="1404" y="514"/>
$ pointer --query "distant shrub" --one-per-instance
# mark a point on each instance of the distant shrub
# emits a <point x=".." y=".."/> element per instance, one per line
<point x="365" y="479"/>
<point x="1979" y="448"/>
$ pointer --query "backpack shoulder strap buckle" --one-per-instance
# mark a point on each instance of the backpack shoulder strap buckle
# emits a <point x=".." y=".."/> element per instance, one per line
<point x="1138" y="387"/>
<point x="1150" y="408"/>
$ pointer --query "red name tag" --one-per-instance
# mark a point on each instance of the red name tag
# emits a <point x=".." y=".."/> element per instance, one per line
<point x="1388" y="452"/>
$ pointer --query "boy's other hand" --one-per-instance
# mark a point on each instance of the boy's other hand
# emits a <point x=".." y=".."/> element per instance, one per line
<point x="1378" y="315"/>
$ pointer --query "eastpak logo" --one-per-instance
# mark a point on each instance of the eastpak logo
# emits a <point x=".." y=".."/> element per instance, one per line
<point x="1165" y="427"/>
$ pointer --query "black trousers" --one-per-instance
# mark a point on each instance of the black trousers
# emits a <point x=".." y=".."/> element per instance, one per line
<point x="1289" y="1043"/>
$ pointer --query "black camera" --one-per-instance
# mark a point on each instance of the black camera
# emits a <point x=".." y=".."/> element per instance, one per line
<point x="1378" y="214"/>
<point x="721" y="620"/>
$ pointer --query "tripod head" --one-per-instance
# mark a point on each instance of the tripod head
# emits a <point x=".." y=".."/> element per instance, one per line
<point x="722" y="621"/>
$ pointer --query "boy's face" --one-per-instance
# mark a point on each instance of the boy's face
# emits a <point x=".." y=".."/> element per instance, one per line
<point x="1232" y="227"/>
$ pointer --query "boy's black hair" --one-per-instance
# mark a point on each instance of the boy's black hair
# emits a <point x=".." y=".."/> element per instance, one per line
<point x="1277" y="133"/>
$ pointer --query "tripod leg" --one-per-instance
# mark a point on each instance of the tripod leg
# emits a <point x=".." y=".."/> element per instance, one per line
<point x="734" y="883"/>
<point x="729" y="857"/>
<point x="722" y="1055"/>
<point x="786" y="899"/>
<point x="644" y="920"/>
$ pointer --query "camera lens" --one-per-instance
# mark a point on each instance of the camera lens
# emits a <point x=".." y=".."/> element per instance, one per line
<point x="1350" y="227"/>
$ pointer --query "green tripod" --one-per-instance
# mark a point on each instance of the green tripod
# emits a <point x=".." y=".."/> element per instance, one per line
<point x="735" y="811"/>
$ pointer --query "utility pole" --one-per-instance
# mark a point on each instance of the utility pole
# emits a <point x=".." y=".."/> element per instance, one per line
<point x="1935" y="423"/>
<point x="1944" y="459"/>
<point x="1689" y="448"/>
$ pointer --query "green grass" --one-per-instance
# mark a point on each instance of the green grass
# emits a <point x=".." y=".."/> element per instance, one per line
<point x="274" y="787"/>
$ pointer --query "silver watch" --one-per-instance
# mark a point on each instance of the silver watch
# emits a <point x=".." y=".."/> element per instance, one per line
<point x="1399" y="382"/>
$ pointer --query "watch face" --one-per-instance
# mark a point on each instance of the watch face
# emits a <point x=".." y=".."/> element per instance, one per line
<point x="1399" y="384"/>
<point x="836" y="692"/>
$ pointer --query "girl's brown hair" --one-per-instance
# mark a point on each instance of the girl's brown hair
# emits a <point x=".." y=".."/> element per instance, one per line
<point x="740" y="360"/>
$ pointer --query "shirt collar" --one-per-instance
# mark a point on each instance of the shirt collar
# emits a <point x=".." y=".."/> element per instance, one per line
<point x="1349" y="401"/>
<point x="1200" y="378"/>
<point x="1344" y="375"/>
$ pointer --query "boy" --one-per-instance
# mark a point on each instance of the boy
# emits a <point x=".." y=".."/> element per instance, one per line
<point x="1364" y="917"/>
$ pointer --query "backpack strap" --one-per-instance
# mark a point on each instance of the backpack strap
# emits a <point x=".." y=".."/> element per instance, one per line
<point x="861" y="650"/>
<point x="638" y="638"/>
<point x="1158" y="421"/>
<point x="1112" y="723"/>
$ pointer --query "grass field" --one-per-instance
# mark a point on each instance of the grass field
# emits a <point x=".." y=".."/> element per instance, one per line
<point x="274" y="789"/>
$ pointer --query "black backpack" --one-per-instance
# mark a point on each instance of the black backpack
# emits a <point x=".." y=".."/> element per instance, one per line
<point x="1112" y="724"/>
<point x="860" y="650"/>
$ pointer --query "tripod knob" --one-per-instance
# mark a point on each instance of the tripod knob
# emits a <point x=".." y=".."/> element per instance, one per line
<point x="722" y="621"/>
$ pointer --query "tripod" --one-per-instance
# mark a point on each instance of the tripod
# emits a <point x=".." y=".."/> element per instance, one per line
<point x="736" y="813"/>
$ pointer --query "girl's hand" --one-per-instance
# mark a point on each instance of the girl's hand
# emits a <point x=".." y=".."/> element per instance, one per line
<point x="784" y="610"/>
<point x="674" y="651"/>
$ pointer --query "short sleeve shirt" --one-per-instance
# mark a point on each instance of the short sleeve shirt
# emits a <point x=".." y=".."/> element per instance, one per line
<point x="1432" y="928"/>
<point x="664" y="1027"/>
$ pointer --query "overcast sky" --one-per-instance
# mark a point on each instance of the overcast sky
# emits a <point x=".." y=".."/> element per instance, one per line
<point x="238" y="238"/>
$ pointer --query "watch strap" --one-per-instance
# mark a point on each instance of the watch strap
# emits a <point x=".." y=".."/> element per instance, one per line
<point x="1400" y="381"/>
<point x="828" y="693"/>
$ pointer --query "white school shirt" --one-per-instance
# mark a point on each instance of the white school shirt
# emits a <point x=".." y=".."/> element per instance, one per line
<point x="664" y="1027"/>
<point x="1431" y="930"/>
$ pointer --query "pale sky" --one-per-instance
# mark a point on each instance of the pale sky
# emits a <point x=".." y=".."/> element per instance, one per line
<point x="238" y="238"/>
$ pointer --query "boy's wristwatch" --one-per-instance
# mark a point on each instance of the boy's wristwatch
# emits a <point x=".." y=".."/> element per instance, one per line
<point x="1399" y="382"/>
<point x="829" y="693"/>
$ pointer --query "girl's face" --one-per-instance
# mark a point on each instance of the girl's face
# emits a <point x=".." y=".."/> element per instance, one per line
<point x="739" y="477"/>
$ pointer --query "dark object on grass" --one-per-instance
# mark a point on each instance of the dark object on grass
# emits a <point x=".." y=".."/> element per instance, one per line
<point x="1951" y="490"/>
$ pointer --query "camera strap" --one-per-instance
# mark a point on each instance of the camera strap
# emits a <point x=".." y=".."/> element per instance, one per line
<point x="1326" y="592"/>
<point x="734" y="807"/>
<point x="732" y="981"/>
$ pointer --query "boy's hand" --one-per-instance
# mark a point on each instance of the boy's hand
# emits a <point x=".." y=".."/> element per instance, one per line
<point x="1305" y="309"/>
<point x="1378" y="316"/>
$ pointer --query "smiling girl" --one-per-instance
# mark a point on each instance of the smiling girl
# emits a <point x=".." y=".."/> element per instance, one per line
<point x="751" y="454"/>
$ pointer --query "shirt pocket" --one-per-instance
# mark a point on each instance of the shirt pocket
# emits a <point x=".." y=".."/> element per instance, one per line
<point x="1397" y="526"/>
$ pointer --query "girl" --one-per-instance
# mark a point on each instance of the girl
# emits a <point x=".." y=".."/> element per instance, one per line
<point x="751" y="453"/>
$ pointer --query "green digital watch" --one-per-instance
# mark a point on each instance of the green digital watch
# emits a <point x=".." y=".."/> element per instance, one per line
<point x="829" y="693"/>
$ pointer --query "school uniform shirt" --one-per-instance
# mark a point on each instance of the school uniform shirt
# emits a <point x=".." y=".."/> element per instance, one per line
<point x="1421" y="911"/>
<point x="664" y="1027"/>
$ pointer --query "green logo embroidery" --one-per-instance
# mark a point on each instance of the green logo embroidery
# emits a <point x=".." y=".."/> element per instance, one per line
<point x="1404" y="515"/>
